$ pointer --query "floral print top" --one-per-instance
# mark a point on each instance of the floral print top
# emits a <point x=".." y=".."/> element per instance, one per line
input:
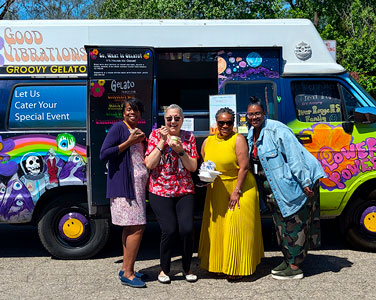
<point x="170" y="178"/>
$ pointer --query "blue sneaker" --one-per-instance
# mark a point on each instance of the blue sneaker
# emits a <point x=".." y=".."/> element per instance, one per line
<point x="135" y="282"/>
<point x="137" y="274"/>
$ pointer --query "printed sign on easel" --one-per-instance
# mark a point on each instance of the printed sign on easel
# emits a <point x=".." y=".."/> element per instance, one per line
<point x="215" y="103"/>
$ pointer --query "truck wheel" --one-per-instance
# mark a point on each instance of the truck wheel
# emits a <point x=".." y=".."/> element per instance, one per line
<point x="359" y="224"/>
<point x="67" y="232"/>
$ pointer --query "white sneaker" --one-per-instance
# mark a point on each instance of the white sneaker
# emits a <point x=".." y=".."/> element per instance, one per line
<point x="190" y="277"/>
<point x="163" y="278"/>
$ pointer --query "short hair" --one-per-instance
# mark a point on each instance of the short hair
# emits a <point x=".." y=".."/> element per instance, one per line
<point x="135" y="104"/>
<point x="174" y="106"/>
<point x="225" y="110"/>
<point x="253" y="100"/>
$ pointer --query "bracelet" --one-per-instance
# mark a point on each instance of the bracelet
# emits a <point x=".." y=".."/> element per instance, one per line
<point x="156" y="146"/>
<point x="239" y="191"/>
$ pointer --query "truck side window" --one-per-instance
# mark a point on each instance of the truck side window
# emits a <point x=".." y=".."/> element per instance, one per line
<point x="317" y="101"/>
<point x="350" y="102"/>
<point x="244" y="89"/>
<point x="47" y="107"/>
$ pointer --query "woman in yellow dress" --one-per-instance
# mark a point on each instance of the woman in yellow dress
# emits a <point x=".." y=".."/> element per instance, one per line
<point x="231" y="238"/>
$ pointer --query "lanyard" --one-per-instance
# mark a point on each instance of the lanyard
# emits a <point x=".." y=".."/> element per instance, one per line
<point x="254" y="147"/>
<point x="129" y="127"/>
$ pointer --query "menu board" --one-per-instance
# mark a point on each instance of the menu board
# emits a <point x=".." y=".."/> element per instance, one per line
<point x="114" y="75"/>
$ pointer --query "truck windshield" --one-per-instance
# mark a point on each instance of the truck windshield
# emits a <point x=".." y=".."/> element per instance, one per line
<point x="370" y="101"/>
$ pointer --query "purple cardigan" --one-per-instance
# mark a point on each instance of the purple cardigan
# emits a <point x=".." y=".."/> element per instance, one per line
<point x="120" y="181"/>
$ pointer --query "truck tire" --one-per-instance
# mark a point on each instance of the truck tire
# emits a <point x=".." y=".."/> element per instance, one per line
<point x="67" y="232"/>
<point x="358" y="223"/>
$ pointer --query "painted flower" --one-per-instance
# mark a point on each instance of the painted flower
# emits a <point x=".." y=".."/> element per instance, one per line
<point x="327" y="142"/>
<point x="93" y="55"/>
<point x="97" y="90"/>
<point x="7" y="167"/>
<point x="101" y="82"/>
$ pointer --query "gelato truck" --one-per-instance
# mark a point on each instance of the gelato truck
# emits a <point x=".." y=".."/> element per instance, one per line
<point x="63" y="83"/>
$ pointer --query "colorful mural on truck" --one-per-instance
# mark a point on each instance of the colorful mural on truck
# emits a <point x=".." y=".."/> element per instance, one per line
<point x="341" y="156"/>
<point x="32" y="164"/>
<point x="242" y="65"/>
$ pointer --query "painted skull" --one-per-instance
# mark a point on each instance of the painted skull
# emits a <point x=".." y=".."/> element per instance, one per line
<point x="32" y="164"/>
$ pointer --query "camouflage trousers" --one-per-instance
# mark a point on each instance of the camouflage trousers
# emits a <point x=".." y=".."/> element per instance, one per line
<point x="300" y="232"/>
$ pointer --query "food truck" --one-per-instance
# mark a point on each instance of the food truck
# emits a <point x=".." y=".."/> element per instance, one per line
<point x="51" y="130"/>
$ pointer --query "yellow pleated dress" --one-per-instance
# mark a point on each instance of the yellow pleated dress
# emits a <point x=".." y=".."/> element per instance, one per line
<point x="230" y="241"/>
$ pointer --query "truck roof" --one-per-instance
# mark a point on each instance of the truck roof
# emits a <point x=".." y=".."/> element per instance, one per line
<point x="303" y="50"/>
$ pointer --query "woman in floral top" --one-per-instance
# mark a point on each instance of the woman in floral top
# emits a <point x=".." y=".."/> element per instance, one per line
<point x="172" y="155"/>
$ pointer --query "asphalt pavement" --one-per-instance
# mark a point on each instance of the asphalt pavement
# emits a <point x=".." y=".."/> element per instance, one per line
<point x="27" y="271"/>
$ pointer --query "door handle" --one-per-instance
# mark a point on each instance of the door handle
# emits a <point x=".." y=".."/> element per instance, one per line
<point x="304" y="138"/>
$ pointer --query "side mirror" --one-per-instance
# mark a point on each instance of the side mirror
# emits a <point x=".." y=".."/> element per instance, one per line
<point x="365" y="115"/>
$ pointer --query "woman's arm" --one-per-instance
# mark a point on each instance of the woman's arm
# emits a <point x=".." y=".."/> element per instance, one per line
<point x="203" y="149"/>
<point x="292" y="149"/>
<point x="189" y="162"/>
<point x="136" y="136"/>
<point x="111" y="147"/>
<point x="152" y="160"/>
<point x="241" y="150"/>
<point x="110" y="144"/>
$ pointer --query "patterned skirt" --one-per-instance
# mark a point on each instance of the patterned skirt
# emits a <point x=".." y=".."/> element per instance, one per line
<point x="128" y="212"/>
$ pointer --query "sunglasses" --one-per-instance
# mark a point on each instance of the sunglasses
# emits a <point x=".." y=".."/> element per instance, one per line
<point x="222" y="123"/>
<point x="256" y="114"/>
<point x="176" y="118"/>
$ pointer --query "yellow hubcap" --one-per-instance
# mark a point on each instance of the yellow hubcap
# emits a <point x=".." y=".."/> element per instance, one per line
<point x="370" y="222"/>
<point x="73" y="228"/>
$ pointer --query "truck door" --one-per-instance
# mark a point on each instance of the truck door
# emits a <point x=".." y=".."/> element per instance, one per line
<point x="114" y="75"/>
<point x="324" y="124"/>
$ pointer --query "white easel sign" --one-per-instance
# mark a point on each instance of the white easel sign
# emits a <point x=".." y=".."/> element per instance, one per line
<point x="219" y="101"/>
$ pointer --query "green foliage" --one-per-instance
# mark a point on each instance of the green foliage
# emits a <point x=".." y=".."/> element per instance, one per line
<point x="54" y="9"/>
<point x="174" y="9"/>
<point x="353" y="25"/>
<point x="6" y="11"/>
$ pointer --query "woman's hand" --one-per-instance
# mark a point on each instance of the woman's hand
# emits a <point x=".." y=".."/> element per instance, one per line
<point x="308" y="191"/>
<point x="234" y="200"/>
<point x="177" y="146"/>
<point x="136" y="136"/>
<point x="164" y="133"/>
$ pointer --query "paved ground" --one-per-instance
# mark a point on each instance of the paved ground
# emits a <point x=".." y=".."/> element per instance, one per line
<point x="28" y="272"/>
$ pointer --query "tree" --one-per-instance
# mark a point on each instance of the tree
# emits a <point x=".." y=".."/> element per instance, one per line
<point x="353" y="25"/>
<point x="57" y="9"/>
<point x="174" y="9"/>
<point x="5" y="7"/>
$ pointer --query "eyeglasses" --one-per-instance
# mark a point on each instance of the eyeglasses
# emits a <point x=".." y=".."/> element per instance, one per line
<point x="176" y="118"/>
<point x="222" y="123"/>
<point x="256" y="114"/>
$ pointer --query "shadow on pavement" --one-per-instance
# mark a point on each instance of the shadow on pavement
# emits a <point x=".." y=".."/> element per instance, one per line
<point x="23" y="240"/>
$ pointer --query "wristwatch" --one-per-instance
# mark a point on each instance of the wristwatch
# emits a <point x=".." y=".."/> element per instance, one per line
<point x="181" y="153"/>
<point x="239" y="191"/>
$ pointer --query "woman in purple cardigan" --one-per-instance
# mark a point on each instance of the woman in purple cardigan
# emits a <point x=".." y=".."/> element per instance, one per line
<point x="127" y="176"/>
